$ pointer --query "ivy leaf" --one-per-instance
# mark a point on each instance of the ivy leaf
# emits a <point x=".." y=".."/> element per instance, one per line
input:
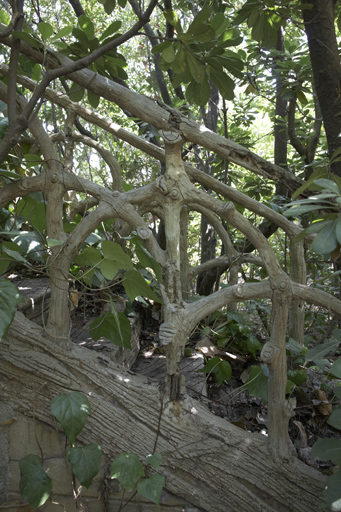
<point x="127" y="469"/>
<point x="114" y="326"/>
<point x="135" y="285"/>
<point x="327" y="449"/>
<point x="257" y="384"/>
<point x="151" y="488"/>
<point x="333" y="491"/>
<point x="335" y="418"/>
<point x="336" y="368"/>
<point x="113" y="251"/>
<point x="221" y="370"/>
<point x="154" y="460"/>
<point x="85" y="462"/>
<point x="35" y="485"/>
<point x="72" y="412"/>
<point x="147" y="260"/>
<point x="9" y="298"/>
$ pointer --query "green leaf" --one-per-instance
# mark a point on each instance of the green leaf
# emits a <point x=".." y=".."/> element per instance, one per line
<point x="4" y="17"/>
<point x="147" y="261"/>
<point x="198" y="93"/>
<point x="53" y="242"/>
<point x="113" y="251"/>
<point x="335" y="418"/>
<point x="301" y="97"/>
<point x="320" y="350"/>
<point x="135" y="285"/>
<point x="87" y="26"/>
<point x="179" y="64"/>
<point x="89" y="257"/>
<point x="127" y="469"/>
<point x="336" y="368"/>
<point x="24" y="36"/>
<point x="328" y="184"/>
<point x="85" y="462"/>
<point x="223" y="82"/>
<point x="203" y="33"/>
<point x="154" y="460"/>
<point x="151" y="488"/>
<point x="3" y="127"/>
<point x="35" y="485"/>
<point x="318" y="173"/>
<point x="337" y="391"/>
<point x="109" y="6"/>
<point x="9" y="298"/>
<point x="76" y="92"/>
<point x="328" y="449"/>
<point x="111" y="29"/>
<point x="338" y="231"/>
<point x="298" y="377"/>
<point x="196" y="68"/>
<point x="93" y="99"/>
<point x="168" y="54"/>
<point x="72" y="412"/>
<point x="114" y="326"/>
<point x="257" y="384"/>
<point x="109" y="269"/>
<point x="45" y="29"/>
<point x="34" y="212"/>
<point x="325" y="242"/>
<point x="221" y="370"/>
<point x="64" y="32"/>
<point x="333" y="491"/>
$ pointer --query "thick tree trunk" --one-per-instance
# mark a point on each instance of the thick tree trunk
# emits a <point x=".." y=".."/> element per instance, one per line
<point x="209" y="462"/>
<point x="326" y="65"/>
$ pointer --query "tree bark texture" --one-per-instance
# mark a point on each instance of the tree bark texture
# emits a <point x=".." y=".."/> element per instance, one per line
<point x="207" y="461"/>
<point x="326" y="65"/>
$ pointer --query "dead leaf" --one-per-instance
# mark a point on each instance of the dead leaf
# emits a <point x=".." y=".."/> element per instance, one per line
<point x="324" y="407"/>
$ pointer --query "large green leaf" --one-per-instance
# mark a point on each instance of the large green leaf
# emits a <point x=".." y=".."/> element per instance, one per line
<point x="325" y="242"/>
<point x="327" y="449"/>
<point x="135" y="285"/>
<point x="127" y="469"/>
<point x="223" y="82"/>
<point x="333" y="491"/>
<point x="114" y="326"/>
<point x="221" y="370"/>
<point x="198" y="93"/>
<point x="336" y="368"/>
<point x="24" y="36"/>
<point x="45" y="29"/>
<point x="196" y="68"/>
<point x="335" y="418"/>
<point x="109" y="269"/>
<point x="203" y="33"/>
<point x="9" y="298"/>
<point x="319" y="351"/>
<point x="76" y="92"/>
<point x="85" y="462"/>
<point x="89" y="257"/>
<point x="111" y="29"/>
<point x="72" y="412"/>
<point x="35" y="485"/>
<point x="168" y="54"/>
<point x="147" y="261"/>
<point x="114" y="252"/>
<point x="151" y="488"/>
<point x="154" y="460"/>
<point x="257" y="384"/>
<point x="87" y="26"/>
